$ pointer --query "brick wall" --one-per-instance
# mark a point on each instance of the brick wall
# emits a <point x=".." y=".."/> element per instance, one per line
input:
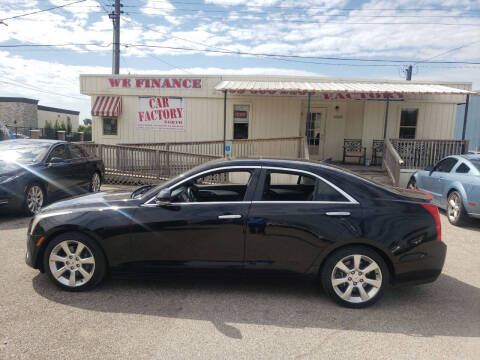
<point x="25" y="114"/>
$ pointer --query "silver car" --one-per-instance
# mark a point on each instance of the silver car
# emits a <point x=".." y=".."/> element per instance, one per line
<point x="454" y="183"/>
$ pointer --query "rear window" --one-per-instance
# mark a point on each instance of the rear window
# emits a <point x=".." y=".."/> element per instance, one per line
<point x="476" y="163"/>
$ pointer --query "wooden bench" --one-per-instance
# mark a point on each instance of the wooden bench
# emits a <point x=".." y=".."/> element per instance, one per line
<point x="353" y="148"/>
<point x="377" y="151"/>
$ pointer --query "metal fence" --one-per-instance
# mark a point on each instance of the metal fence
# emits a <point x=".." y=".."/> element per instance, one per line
<point x="47" y="133"/>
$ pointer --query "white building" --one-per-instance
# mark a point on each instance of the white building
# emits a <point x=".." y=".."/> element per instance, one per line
<point x="156" y="108"/>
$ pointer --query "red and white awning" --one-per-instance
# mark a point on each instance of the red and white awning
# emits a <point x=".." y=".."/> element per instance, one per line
<point x="107" y="106"/>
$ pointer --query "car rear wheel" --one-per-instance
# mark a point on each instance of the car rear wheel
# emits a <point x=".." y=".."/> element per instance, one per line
<point x="412" y="184"/>
<point x="355" y="276"/>
<point x="34" y="199"/>
<point x="74" y="262"/>
<point x="455" y="211"/>
<point x="95" y="182"/>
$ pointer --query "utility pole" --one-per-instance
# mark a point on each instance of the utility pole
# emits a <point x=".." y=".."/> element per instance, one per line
<point x="115" y="16"/>
<point x="409" y="72"/>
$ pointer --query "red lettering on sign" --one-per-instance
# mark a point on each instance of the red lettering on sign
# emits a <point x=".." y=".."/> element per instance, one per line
<point x="114" y="82"/>
<point x="177" y="83"/>
<point x="165" y="102"/>
<point x="187" y="83"/>
<point x="179" y="110"/>
<point x="166" y="84"/>
<point x="140" y="115"/>
<point x="166" y="114"/>
<point x="155" y="83"/>
<point x="197" y="83"/>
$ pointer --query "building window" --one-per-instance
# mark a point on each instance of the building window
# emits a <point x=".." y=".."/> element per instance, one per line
<point x="241" y="116"/>
<point x="109" y="126"/>
<point x="408" y="123"/>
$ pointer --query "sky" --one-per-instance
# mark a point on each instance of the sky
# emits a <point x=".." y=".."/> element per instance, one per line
<point x="408" y="30"/>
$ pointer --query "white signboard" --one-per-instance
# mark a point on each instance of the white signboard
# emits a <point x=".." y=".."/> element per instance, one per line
<point x="161" y="113"/>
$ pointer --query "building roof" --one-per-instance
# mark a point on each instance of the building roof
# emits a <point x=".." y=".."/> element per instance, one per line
<point x="19" y="100"/>
<point x="349" y="87"/>
<point x="58" y="110"/>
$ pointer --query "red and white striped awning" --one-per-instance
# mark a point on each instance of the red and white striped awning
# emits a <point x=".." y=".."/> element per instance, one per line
<point x="107" y="106"/>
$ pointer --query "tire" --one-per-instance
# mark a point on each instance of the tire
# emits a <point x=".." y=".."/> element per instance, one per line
<point x="35" y="198"/>
<point x="373" y="282"/>
<point x="87" y="272"/>
<point x="455" y="210"/>
<point x="95" y="182"/>
<point x="412" y="184"/>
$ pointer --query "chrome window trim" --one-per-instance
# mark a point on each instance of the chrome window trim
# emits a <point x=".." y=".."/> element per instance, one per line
<point x="351" y="199"/>
<point x="148" y="202"/>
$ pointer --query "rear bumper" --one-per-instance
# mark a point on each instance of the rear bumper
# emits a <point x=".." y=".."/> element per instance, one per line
<point x="422" y="265"/>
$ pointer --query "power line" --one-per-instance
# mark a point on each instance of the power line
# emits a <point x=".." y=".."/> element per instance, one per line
<point x="31" y="87"/>
<point x="54" y="45"/>
<point x="40" y="11"/>
<point x="313" y="7"/>
<point x="299" y="56"/>
<point x="315" y="15"/>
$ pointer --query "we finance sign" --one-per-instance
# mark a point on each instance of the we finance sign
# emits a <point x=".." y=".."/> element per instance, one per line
<point x="155" y="83"/>
<point x="161" y="113"/>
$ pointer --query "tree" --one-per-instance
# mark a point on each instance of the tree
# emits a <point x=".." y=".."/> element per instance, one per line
<point x="87" y="122"/>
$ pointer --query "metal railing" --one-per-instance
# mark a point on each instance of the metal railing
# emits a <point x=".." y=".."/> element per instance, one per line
<point x="418" y="154"/>
<point x="392" y="162"/>
<point x="137" y="165"/>
<point x="291" y="147"/>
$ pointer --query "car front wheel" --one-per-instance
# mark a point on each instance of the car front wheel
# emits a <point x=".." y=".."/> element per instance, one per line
<point x="455" y="210"/>
<point x="355" y="276"/>
<point x="34" y="199"/>
<point x="74" y="262"/>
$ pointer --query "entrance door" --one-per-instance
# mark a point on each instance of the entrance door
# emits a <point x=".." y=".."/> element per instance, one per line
<point x="316" y="133"/>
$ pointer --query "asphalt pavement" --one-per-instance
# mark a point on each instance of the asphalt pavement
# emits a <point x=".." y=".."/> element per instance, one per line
<point x="236" y="318"/>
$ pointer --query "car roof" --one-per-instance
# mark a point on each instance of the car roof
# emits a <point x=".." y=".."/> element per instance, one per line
<point x="33" y="141"/>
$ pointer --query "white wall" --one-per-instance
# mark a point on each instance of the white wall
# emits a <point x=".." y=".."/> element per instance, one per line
<point x="51" y="116"/>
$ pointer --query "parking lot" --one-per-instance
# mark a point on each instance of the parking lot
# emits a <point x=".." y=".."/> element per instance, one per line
<point x="210" y="318"/>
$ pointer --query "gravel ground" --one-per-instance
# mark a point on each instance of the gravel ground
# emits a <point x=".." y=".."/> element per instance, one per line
<point x="218" y="318"/>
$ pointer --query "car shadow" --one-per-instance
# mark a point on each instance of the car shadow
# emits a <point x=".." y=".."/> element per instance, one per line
<point x="448" y="307"/>
<point x="13" y="222"/>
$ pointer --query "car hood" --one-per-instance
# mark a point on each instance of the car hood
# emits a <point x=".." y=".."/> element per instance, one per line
<point x="8" y="168"/>
<point x="101" y="200"/>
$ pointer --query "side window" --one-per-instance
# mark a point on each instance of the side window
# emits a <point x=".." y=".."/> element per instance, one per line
<point x="463" y="169"/>
<point x="408" y="123"/>
<point x="76" y="152"/>
<point x="109" y="126"/>
<point x="241" y="117"/>
<point x="288" y="186"/>
<point x="327" y="193"/>
<point x="446" y="165"/>
<point x="220" y="186"/>
<point x="59" y="151"/>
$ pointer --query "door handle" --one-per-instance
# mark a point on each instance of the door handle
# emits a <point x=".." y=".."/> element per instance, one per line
<point x="338" y="213"/>
<point x="227" y="217"/>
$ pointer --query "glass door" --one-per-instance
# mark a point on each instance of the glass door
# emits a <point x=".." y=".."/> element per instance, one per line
<point x="316" y="133"/>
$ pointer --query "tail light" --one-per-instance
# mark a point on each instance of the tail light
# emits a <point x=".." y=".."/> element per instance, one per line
<point x="433" y="210"/>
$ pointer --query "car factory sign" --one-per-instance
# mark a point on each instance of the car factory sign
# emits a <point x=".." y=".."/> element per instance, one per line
<point x="161" y="113"/>
<point x="155" y="83"/>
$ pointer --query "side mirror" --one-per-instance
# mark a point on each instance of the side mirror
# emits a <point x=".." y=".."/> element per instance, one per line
<point x="56" y="160"/>
<point x="163" y="197"/>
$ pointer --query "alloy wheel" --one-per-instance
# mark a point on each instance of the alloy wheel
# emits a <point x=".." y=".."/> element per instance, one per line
<point x="356" y="278"/>
<point x="72" y="263"/>
<point x="96" y="182"/>
<point x="454" y="207"/>
<point x="34" y="199"/>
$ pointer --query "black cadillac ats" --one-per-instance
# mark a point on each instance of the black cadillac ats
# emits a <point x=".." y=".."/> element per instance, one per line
<point x="275" y="216"/>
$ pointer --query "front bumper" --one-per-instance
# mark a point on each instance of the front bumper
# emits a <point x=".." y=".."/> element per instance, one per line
<point x="32" y="256"/>
<point x="421" y="266"/>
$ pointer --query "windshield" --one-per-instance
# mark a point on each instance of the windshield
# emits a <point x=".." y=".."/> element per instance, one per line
<point x="476" y="163"/>
<point x="22" y="153"/>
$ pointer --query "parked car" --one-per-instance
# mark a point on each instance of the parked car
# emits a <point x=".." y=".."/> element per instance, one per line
<point x="34" y="172"/>
<point x="274" y="216"/>
<point x="454" y="183"/>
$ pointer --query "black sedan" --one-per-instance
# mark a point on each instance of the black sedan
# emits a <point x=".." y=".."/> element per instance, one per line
<point x="274" y="216"/>
<point x="34" y="172"/>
